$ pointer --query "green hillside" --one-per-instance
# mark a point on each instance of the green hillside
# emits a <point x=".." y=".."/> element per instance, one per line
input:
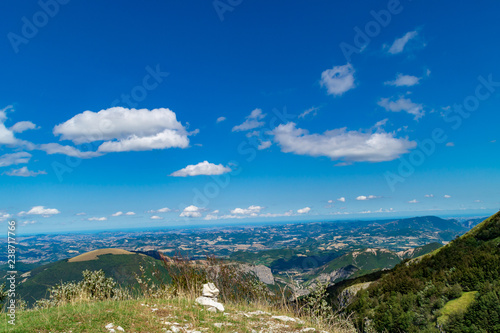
<point x="415" y="294"/>
<point x="121" y="267"/>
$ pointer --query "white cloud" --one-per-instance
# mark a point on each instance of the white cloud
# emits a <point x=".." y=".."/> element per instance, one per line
<point x="125" y="129"/>
<point x="330" y="201"/>
<point x="24" y="172"/>
<point x="22" y="126"/>
<point x="341" y="199"/>
<point x="155" y="217"/>
<point x="29" y="222"/>
<point x="161" y="210"/>
<point x="201" y="169"/>
<point x="117" y="214"/>
<point x="446" y="196"/>
<point x="351" y="146"/>
<point x="338" y="80"/>
<point x="264" y="145"/>
<point x="403" y="81"/>
<point x="370" y="197"/>
<point x="81" y="214"/>
<point x="251" y="122"/>
<point x="221" y="119"/>
<point x="97" y="219"/>
<point x="252" y="210"/>
<point x="14" y="158"/>
<point x="4" y="216"/>
<point x="129" y="213"/>
<point x="400" y="43"/>
<point x="402" y="104"/>
<point x="304" y="210"/>
<point x="41" y="210"/>
<point x="191" y="211"/>
<point x="413" y="201"/>
<point x="312" y="110"/>
<point x="55" y="148"/>
<point x="6" y="135"/>
<point x="429" y="195"/>
<point x="450" y="144"/>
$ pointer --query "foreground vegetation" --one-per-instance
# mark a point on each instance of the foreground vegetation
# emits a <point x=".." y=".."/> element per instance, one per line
<point x="97" y="303"/>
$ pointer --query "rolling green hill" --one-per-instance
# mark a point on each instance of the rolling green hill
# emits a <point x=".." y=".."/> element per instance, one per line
<point x="458" y="283"/>
<point x="121" y="267"/>
<point x="358" y="263"/>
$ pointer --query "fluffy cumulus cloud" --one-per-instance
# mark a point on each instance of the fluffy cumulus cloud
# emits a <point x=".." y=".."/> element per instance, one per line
<point x="125" y="129"/>
<point x="97" y="219"/>
<point x="446" y="196"/>
<point x="24" y="172"/>
<point x="6" y="135"/>
<point x="341" y="199"/>
<point x="369" y="197"/>
<point x="252" y="121"/>
<point x="201" y="169"/>
<point x="264" y="145"/>
<point x="403" y="81"/>
<point x="338" y="79"/>
<point x="22" y="126"/>
<point x="56" y="148"/>
<point x="14" y="158"/>
<point x="304" y="210"/>
<point x="117" y="214"/>
<point x="252" y="210"/>
<point x="399" y="44"/>
<point x="41" y="210"/>
<point x="156" y="217"/>
<point x="340" y="144"/>
<point x="402" y="104"/>
<point x="413" y="201"/>
<point x="221" y="119"/>
<point x="161" y="210"/>
<point x="191" y="211"/>
<point x="429" y="195"/>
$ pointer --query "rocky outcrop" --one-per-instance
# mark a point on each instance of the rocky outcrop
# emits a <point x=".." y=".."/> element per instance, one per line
<point x="337" y="275"/>
<point x="263" y="273"/>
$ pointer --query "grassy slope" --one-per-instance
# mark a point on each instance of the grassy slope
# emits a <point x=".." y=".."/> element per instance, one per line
<point x="456" y="305"/>
<point x="138" y="316"/>
<point x="119" y="267"/>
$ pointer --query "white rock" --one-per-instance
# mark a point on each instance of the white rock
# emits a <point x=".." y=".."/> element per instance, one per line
<point x="210" y="290"/>
<point x="119" y="328"/>
<point x="284" y="318"/>
<point x="175" y="329"/>
<point x="109" y="326"/>
<point x="309" y="329"/>
<point x="210" y="303"/>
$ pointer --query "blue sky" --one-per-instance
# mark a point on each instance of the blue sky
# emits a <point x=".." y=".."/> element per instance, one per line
<point x="238" y="111"/>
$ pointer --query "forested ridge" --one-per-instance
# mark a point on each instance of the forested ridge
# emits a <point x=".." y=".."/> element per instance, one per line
<point x="415" y="296"/>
